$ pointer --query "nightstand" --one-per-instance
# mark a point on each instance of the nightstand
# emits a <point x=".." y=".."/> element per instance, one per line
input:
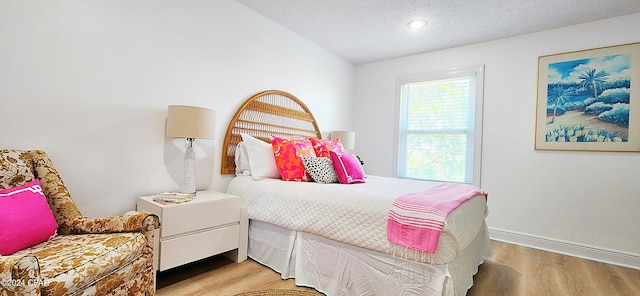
<point x="210" y="224"/>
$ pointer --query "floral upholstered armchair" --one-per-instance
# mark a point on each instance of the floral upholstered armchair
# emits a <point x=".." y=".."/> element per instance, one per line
<point x="84" y="256"/>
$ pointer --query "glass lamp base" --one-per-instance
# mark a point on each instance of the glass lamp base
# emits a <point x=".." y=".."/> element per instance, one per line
<point x="189" y="169"/>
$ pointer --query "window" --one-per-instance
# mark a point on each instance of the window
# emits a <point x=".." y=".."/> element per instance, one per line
<point x="440" y="126"/>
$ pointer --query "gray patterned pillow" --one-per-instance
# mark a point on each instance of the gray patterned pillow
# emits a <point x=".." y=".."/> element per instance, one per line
<point x="320" y="169"/>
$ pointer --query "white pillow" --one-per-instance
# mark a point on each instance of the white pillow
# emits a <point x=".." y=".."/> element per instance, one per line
<point x="261" y="159"/>
<point x="242" y="161"/>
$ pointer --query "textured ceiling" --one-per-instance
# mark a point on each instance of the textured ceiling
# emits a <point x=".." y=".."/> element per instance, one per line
<point x="363" y="31"/>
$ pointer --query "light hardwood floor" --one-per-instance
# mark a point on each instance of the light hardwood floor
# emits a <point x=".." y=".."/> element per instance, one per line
<point x="512" y="270"/>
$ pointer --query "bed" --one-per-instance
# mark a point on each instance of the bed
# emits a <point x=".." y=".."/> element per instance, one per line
<point x="333" y="236"/>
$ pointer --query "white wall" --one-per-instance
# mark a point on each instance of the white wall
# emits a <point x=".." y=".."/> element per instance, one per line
<point x="89" y="82"/>
<point x="586" y="199"/>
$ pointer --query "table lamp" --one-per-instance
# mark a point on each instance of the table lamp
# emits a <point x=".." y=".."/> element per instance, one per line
<point x="348" y="139"/>
<point x="190" y="123"/>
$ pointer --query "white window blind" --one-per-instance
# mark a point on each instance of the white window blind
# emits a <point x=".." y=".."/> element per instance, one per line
<point x="438" y="119"/>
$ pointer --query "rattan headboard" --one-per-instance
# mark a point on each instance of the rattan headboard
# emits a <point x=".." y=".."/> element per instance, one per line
<point x="271" y="112"/>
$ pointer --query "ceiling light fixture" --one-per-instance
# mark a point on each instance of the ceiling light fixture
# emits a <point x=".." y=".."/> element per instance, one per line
<point x="417" y="24"/>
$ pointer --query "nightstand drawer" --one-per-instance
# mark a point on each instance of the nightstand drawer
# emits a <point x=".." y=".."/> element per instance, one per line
<point x="195" y="246"/>
<point x="194" y="215"/>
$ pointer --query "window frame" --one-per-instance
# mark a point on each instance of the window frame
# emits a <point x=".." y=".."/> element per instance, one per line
<point x="474" y="142"/>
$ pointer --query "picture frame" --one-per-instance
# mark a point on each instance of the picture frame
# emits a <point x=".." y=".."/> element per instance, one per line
<point x="587" y="101"/>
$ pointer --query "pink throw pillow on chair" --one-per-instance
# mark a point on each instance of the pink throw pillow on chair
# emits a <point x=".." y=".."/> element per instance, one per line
<point x="25" y="218"/>
<point x="347" y="167"/>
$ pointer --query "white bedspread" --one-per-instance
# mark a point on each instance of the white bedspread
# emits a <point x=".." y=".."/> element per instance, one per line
<point x="355" y="214"/>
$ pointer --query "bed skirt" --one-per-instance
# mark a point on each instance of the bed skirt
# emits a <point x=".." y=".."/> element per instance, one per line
<point x="336" y="268"/>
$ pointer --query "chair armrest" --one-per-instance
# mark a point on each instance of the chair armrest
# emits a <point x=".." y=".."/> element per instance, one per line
<point x="20" y="275"/>
<point x="145" y="223"/>
<point x="139" y="222"/>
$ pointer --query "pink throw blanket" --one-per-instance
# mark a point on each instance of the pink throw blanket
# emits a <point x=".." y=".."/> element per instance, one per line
<point x="416" y="219"/>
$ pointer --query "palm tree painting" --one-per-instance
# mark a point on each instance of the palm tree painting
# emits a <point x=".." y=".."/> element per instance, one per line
<point x="588" y="99"/>
<point x="559" y="97"/>
<point x="592" y="80"/>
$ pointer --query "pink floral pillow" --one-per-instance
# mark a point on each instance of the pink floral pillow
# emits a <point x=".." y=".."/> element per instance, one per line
<point x="323" y="147"/>
<point x="347" y="167"/>
<point x="288" y="155"/>
<point x="25" y="218"/>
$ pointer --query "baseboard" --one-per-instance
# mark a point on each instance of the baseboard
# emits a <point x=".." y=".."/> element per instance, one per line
<point x="616" y="257"/>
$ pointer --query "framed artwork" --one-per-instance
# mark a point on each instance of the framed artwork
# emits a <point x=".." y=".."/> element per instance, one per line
<point x="589" y="100"/>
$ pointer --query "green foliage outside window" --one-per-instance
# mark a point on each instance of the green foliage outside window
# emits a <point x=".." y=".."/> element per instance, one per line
<point x="435" y="121"/>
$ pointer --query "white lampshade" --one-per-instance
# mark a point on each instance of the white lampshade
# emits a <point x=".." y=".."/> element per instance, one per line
<point x="348" y="139"/>
<point x="190" y="122"/>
